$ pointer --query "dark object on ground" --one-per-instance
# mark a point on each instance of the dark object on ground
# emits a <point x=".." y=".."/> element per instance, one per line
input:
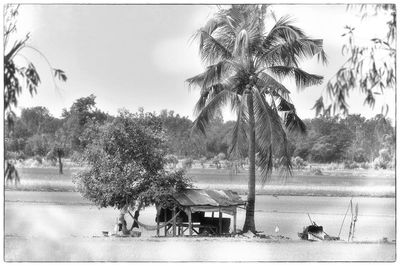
<point x="211" y="225"/>
<point x="315" y="233"/>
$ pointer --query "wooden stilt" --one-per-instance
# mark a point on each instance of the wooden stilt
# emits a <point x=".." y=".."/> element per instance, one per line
<point x="165" y="221"/>
<point x="234" y="220"/>
<point x="212" y="215"/>
<point x="158" y="220"/>
<point x="174" y="222"/>
<point x="189" y="213"/>
<point x="220" y="221"/>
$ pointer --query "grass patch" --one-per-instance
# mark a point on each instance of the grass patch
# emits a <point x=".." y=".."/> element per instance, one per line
<point x="369" y="183"/>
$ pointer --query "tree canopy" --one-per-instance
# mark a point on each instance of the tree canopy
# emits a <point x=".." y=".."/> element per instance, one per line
<point x="126" y="161"/>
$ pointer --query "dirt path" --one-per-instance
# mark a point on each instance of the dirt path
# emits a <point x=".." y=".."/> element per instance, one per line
<point x="111" y="249"/>
<point x="60" y="226"/>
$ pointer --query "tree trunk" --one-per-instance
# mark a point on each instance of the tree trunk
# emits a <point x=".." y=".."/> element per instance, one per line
<point x="135" y="216"/>
<point x="249" y="224"/>
<point x="60" y="165"/>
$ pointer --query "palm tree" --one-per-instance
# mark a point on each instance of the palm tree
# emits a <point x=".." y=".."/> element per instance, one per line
<point x="245" y="65"/>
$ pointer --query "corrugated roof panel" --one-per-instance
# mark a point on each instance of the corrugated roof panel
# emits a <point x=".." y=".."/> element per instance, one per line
<point x="201" y="197"/>
<point x="220" y="197"/>
<point x="183" y="199"/>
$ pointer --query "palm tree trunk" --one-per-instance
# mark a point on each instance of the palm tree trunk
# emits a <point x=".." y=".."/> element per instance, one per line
<point x="249" y="224"/>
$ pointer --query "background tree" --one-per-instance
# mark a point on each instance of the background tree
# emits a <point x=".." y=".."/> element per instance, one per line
<point x="59" y="148"/>
<point x="244" y="67"/>
<point x="126" y="164"/>
<point x="81" y="113"/>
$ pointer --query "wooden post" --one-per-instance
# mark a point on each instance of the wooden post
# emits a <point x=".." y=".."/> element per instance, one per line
<point x="212" y="215"/>
<point x="174" y="222"/>
<point x="234" y="220"/>
<point x="158" y="220"/>
<point x="189" y="213"/>
<point x="165" y="221"/>
<point x="220" y="221"/>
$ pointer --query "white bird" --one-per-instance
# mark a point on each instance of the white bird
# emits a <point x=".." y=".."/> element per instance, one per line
<point x="276" y="229"/>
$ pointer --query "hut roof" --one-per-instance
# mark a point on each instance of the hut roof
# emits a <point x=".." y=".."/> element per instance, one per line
<point x="206" y="197"/>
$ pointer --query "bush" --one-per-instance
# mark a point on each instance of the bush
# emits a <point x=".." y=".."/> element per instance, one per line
<point x="221" y="156"/>
<point x="316" y="171"/>
<point x="187" y="163"/>
<point x="216" y="162"/>
<point x="171" y="159"/>
<point x="203" y="160"/>
<point x="350" y="165"/>
<point x="39" y="159"/>
<point x="383" y="161"/>
<point x="76" y="157"/>
<point x="364" y="165"/>
<point x="299" y="163"/>
<point x="14" y="155"/>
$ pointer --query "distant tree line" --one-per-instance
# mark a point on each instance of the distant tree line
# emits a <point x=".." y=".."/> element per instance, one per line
<point x="39" y="134"/>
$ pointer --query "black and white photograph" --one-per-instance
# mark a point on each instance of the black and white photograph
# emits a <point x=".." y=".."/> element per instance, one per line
<point x="199" y="132"/>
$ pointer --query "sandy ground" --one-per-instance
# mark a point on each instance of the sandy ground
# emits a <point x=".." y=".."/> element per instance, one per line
<point x="61" y="226"/>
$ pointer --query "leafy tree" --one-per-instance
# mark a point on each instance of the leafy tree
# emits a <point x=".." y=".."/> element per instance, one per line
<point x="59" y="148"/>
<point x="126" y="164"/>
<point x="36" y="119"/>
<point x="369" y="68"/>
<point x="244" y="67"/>
<point x="17" y="74"/>
<point x="82" y="112"/>
<point x="37" y="145"/>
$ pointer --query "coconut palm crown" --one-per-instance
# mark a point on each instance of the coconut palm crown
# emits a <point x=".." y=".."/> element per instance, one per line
<point x="245" y="65"/>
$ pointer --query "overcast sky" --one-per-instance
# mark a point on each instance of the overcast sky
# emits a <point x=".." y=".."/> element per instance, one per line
<point x="135" y="56"/>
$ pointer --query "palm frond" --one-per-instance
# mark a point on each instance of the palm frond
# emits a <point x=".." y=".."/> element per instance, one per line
<point x="290" y="53"/>
<point x="210" y="77"/>
<point x="270" y="134"/>
<point x="283" y="31"/>
<point x="211" y="49"/>
<point x="239" y="133"/>
<point x="302" y="78"/>
<point x="266" y="81"/>
<point x="213" y="105"/>
<point x="205" y="96"/>
<point x="285" y="106"/>
<point x="293" y="123"/>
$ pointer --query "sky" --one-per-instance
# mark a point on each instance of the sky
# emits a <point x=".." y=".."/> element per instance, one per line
<point x="132" y="56"/>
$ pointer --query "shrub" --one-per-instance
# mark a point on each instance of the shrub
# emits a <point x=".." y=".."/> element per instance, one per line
<point x="171" y="159"/>
<point x="187" y="163"/>
<point x="14" y="155"/>
<point x="316" y="171"/>
<point x="383" y="161"/>
<point x="203" y="161"/>
<point x="298" y="163"/>
<point x="39" y="159"/>
<point x="221" y="156"/>
<point x="350" y="165"/>
<point x="364" y="165"/>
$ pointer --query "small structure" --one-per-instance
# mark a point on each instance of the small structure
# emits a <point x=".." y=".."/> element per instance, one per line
<point x="189" y="212"/>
